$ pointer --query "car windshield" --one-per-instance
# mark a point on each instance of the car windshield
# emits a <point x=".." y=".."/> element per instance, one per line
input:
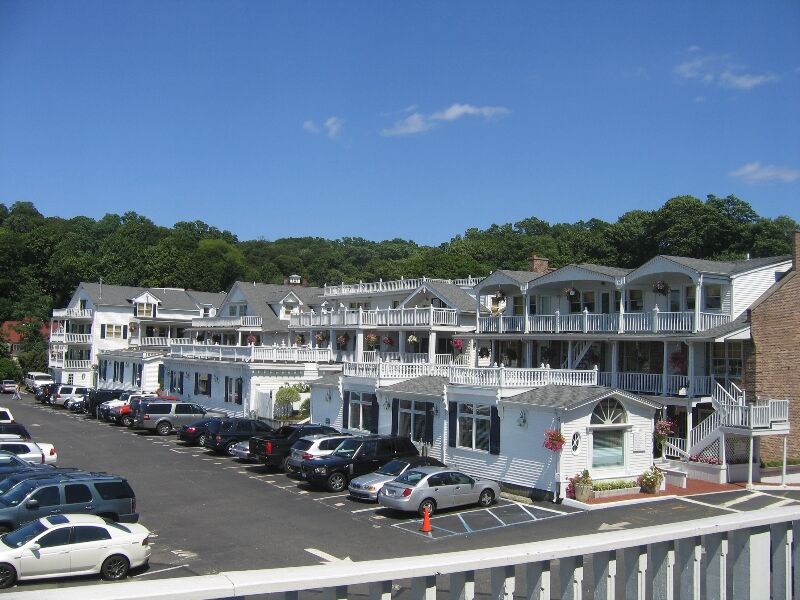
<point x="9" y="460"/>
<point x="23" y="535"/>
<point x="394" y="468"/>
<point x="411" y="477"/>
<point x="347" y="448"/>
<point x="17" y="493"/>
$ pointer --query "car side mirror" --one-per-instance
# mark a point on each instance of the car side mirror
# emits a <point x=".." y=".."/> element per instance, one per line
<point x="32" y="504"/>
<point x="35" y="547"/>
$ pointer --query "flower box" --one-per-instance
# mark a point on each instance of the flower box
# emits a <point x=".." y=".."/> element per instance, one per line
<point x="614" y="493"/>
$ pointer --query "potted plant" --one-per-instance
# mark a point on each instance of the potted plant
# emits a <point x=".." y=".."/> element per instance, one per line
<point x="483" y="352"/>
<point x="553" y="440"/>
<point x="582" y="486"/>
<point x="412" y="339"/>
<point x="300" y="339"/>
<point x="251" y="340"/>
<point x="650" y="480"/>
<point x="343" y="339"/>
<point x="661" y="287"/>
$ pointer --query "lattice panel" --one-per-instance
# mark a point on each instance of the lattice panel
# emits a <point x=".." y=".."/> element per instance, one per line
<point x="712" y="450"/>
<point x="737" y="449"/>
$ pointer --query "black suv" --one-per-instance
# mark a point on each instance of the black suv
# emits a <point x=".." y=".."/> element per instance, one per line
<point x="97" y="397"/>
<point x="223" y="434"/>
<point x="355" y="456"/>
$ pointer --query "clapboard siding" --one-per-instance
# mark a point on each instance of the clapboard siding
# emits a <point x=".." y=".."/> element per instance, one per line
<point x="747" y="288"/>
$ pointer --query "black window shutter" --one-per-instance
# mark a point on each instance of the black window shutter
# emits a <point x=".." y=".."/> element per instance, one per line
<point x="453" y="423"/>
<point x="180" y="382"/>
<point x="124" y="332"/>
<point x="376" y="413"/>
<point x="196" y="383"/>
<point x="103" y="331"/>
<point x="494" y="433"/>
<point x="155" y="310"/>
<point x="395" y="415"/>
<point x="135" y="309"/>
<point x="428" y="435"/>
<point x="209" y="385"/>
<point x="346" y="410"/>
<point x="227" y="393"/>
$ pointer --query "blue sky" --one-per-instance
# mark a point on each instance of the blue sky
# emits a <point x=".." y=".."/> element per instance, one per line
<point x="395" y="119"/>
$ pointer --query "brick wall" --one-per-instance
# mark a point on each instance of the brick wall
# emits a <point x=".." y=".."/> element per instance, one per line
<point x="772" y="360"/>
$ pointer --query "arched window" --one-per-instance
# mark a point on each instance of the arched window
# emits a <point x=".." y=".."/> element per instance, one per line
<point x="608" y="424"/>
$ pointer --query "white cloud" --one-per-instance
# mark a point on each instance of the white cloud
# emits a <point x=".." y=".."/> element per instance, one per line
<point x="693" y="49"/>
<point x="755" y="172"/>
<point x="710" y="69"/>
<point x="310" y="127"/>
<point x="419" y="123"/>
<point x="334" y="127"/>
<point x="699" y="99"/>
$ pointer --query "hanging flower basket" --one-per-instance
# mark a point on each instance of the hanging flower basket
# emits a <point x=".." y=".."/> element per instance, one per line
<point x="483" y="352"/>
<point x="300" y="339"/>
<point x="251" y="339"/>
<point x="664" y="428"/>
<point x="372" y="339"/>
<point x="412" y="339"/>
<point x="388" y="340"/>
<point x="458" y="344"/>
<point x="343" y="339"/>
<point x="661" y="287"/>
<point x="320" y="337"/>
<point x="570" y="291"/>
<point x="553" y="440"/>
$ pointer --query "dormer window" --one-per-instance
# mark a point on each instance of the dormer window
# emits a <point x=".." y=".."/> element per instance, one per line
<point x="294" y="280"/>
<point x="237" y="310"/>
<point x="145" y="310"/>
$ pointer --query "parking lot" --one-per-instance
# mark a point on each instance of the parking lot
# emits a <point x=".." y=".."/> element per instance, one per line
<point x="211" y="513"/>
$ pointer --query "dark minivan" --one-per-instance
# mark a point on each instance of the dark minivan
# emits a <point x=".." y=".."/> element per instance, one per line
<point x="223" y="434"/>
<point x="355" y="456"/>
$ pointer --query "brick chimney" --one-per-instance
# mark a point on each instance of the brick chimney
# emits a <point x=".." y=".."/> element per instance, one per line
<point x="538" y="264"/>
<point x="796" y="251"/>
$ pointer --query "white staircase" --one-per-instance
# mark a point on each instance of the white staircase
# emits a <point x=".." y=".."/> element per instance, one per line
<point x="579" y="350"/>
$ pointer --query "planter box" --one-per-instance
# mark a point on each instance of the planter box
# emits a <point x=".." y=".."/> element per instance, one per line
<point x="705" y="472"/>
<point x="614" y="493"/>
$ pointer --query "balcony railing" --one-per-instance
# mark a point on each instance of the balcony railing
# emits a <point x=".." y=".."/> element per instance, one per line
<point x="386" y="317"/>
<point x="70" y="338"/>
<point x="394" y="370"/>
<point x="754" y="557"/>
<point x="396" y="285"/>
<point x="245" y="322"/>
<point x="654" y="383"/>
<point x="72" y="313"/>
<point x="520" y="378"/>
<point x="77" y="365"/>
<point x="764" y="414"/>
<point x="586" y="322"/>
<point x="252" y="353"/>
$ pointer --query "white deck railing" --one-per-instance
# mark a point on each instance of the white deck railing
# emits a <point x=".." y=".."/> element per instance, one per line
<point x="72" y="313"/>
<point x="394" y="370"/>
<point x="248" y="322"/>
<point x="654" y="321"/>
<point x="756" y="557"/>
<point x="653" y="383"/>
<point x="504" y="377"/>
<point x="382" y="317"/>
<point x="252" y="353"/>
<point x="395" y="285"/>
<point x="70" y="338"/>
<point x="77" y="365"/>
<point x="760" y="415"/>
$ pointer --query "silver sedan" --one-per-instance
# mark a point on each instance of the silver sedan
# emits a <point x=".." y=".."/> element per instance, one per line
<point x="436" y="488"/>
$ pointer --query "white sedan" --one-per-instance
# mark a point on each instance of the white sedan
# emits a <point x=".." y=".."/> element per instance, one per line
<point x="37" y="453"/>
<point x="63" y="545"/>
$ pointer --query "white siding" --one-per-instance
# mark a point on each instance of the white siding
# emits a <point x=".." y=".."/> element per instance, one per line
<point x="323" y="410"/>
<point x="748" y="287"/>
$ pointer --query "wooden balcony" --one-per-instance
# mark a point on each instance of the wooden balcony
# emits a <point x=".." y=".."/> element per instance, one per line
<point x="387" y="317"/>
<point x="763" y="414"/>
<point x="73" y="313"/>
<point x="657" y="384"/>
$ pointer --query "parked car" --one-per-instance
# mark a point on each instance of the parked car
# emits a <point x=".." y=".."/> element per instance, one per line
<point x="35" y="379"/>
<point x="67" y="393"/>
<point x="354" y="457"/>
<point x="9" y="482"/>
<point x="435" y="488"/>
<point x="224" y="434"/>
<point x="44" y="393"/>
<point x="194" y="434"/>
<point x="101" y="494"/>
<point x="6" y="416"/>
<point x="366" y="487"/>
<point x="273" y="449"/>
<point x="97" y="397"/>
<point x="11" y="464"/>
<point x="241" y="450"/>
<point x="313" y="446"/>
<point x="104" y="409"/>
<point x="72" y="544"/>
<point x="163" y="416"/>
<point x="78" y="405"/>
<point x="34" y="452"/>
<point x="8" y="386"/>
<point x="15" y="429"/>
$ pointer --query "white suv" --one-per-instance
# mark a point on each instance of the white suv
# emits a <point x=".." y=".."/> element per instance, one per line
<point x="68" y="393"/>
<point x="313" y="446"/>
<point x="36" y="379"/>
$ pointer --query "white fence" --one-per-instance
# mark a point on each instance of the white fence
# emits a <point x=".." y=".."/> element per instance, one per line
<point x="385" y="317"/>
<point x="249" y="322"/>
<point x="753" y="558"/>
<point x="252" y="353"/>
<point x="395" y="285"/>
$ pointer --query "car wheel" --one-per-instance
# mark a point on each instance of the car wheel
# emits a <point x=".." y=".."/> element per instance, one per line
<point x="337" y="482"/>
<point x="201" y="441"/>
<point x="127" y="421"/>
<point x="163" y="428"/>
<point x="8" y="575"/>
<point x="114" y="568"/>
<point x="486" y="498"/>
<point x="428" y="503"/>
<point x="229" y="447"/>
<point x="285" y="464"/>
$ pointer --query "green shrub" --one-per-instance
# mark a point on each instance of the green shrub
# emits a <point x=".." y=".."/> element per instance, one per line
<point x="618" y="484"/>
<point x="284" y="399"/>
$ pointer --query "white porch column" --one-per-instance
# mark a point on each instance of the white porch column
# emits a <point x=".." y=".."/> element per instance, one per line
<point x="783" y="468"/>
<point x="698" y="288"/>
<point x="664" y="371"/>
<point x="432" y="347"/>
<point x="477" y="312"/>
<point x="750" y="465"/>
<point x="526" y="309"/>
<point x="401" y="344"/>
<point x="528" y="348"/>
<point x="359" y="346"/>
<point x="690" y="370"/>
<point x="689" y="425"/>
<point x="621" y="323"/>
<point x="614" y="362"/>
<point x="569" y="354"/>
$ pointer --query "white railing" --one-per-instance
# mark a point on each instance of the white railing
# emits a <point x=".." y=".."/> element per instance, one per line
<point x="252" y="353"/>
<point x="152" y="341"/>
<point x="179" y="341"/>
<point x="675" y="321"/>
<point x="703" y="430"/>
<point x="55" y="362"/>
<point x="711" y="320"/>
<point x="228" y="322"/>
<point x="647" y="383"/>
<point x="394" y="370"/>
<point x="396" y="285"/>
<point x="542" y="323"/>
<point x="778" y="410"/>
<point x="506" y="377"/>
<point x="77" y="365"/>
<point x="677" y="385"/>
<point x="381" y="317"/>
<point x="761" y="415"/>
<point x="755" y="557"/>
<point x="72" y="313"/>
<point x="674" y="447"/>
<point x="78" y="338"/>
<point x="636" y="322"/>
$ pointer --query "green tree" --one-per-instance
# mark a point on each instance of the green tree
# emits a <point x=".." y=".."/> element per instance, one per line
<point x="285" y="399"/>
<point x="33" y="347"/>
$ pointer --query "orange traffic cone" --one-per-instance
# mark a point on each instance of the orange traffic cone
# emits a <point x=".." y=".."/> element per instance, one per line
<point x="426" y="521"/>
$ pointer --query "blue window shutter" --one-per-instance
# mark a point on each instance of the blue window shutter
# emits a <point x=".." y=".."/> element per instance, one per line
<point x="376" y="413"/>
<point x="395" y="415"/>
<point x="124" y="332"/>
<point x="209" y="385"/>
<point x="428" y="434"/>
<point x="196" y="383"/>
<point x="103" y="331"/>
<point x="452" y="424"/>
<point x="494" y="432"/>
<point x="346" y="410"/>
<point x="135" y="310"/>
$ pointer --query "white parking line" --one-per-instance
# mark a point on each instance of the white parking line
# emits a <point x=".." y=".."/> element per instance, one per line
<point x="495" y="516"/>
<point x="159" y="571"/>
<point x="708" y="504"/>
<point x="371" y="508"/>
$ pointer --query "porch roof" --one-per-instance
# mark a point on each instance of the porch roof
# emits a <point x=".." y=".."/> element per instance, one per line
<point x="570" y="397"/>
<point x="449" y="293"/>
<point x="329" y="380"/>
<point x="420" y="386"/>
<point x="719" y="267"/>
<point x="260" y="296"/>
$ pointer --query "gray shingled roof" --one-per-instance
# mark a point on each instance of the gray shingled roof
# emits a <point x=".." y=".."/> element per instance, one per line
<point x="568" y="397"/>
<point x="327" y="380"/>
<point x="453" y="295"/>
<point x="214" y="299"/>
<point x="424" y="386"/>
<point x="170" y="298"/>
<point x="110" y="295"/>
<point x="725" y="267"/>
<point x="603" y="270"/>
<point x="260" y="295"/>
<point x="521" y="276"/>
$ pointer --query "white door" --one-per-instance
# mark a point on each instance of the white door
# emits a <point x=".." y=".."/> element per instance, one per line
<point x="88" y="546"/>
<point x="51" y="557"/>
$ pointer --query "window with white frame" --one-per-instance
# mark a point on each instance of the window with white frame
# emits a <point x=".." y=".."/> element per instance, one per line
<point x="411" y="419"/>
<point x="518" y="306"/>
<point x="532" y="305"/>
<point x="609" y="424"/>
<point x="712" y="297"/>
<point x="726" y="359"/>
<point x="690" y="297"/>
<point x="144" y="309"/>
<point x="113" y="331"/>
<point x="635" y="301"/>
<point x="361" y="410"/>
<point x="474" y="425"/>
<point x="587" y="301"/>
